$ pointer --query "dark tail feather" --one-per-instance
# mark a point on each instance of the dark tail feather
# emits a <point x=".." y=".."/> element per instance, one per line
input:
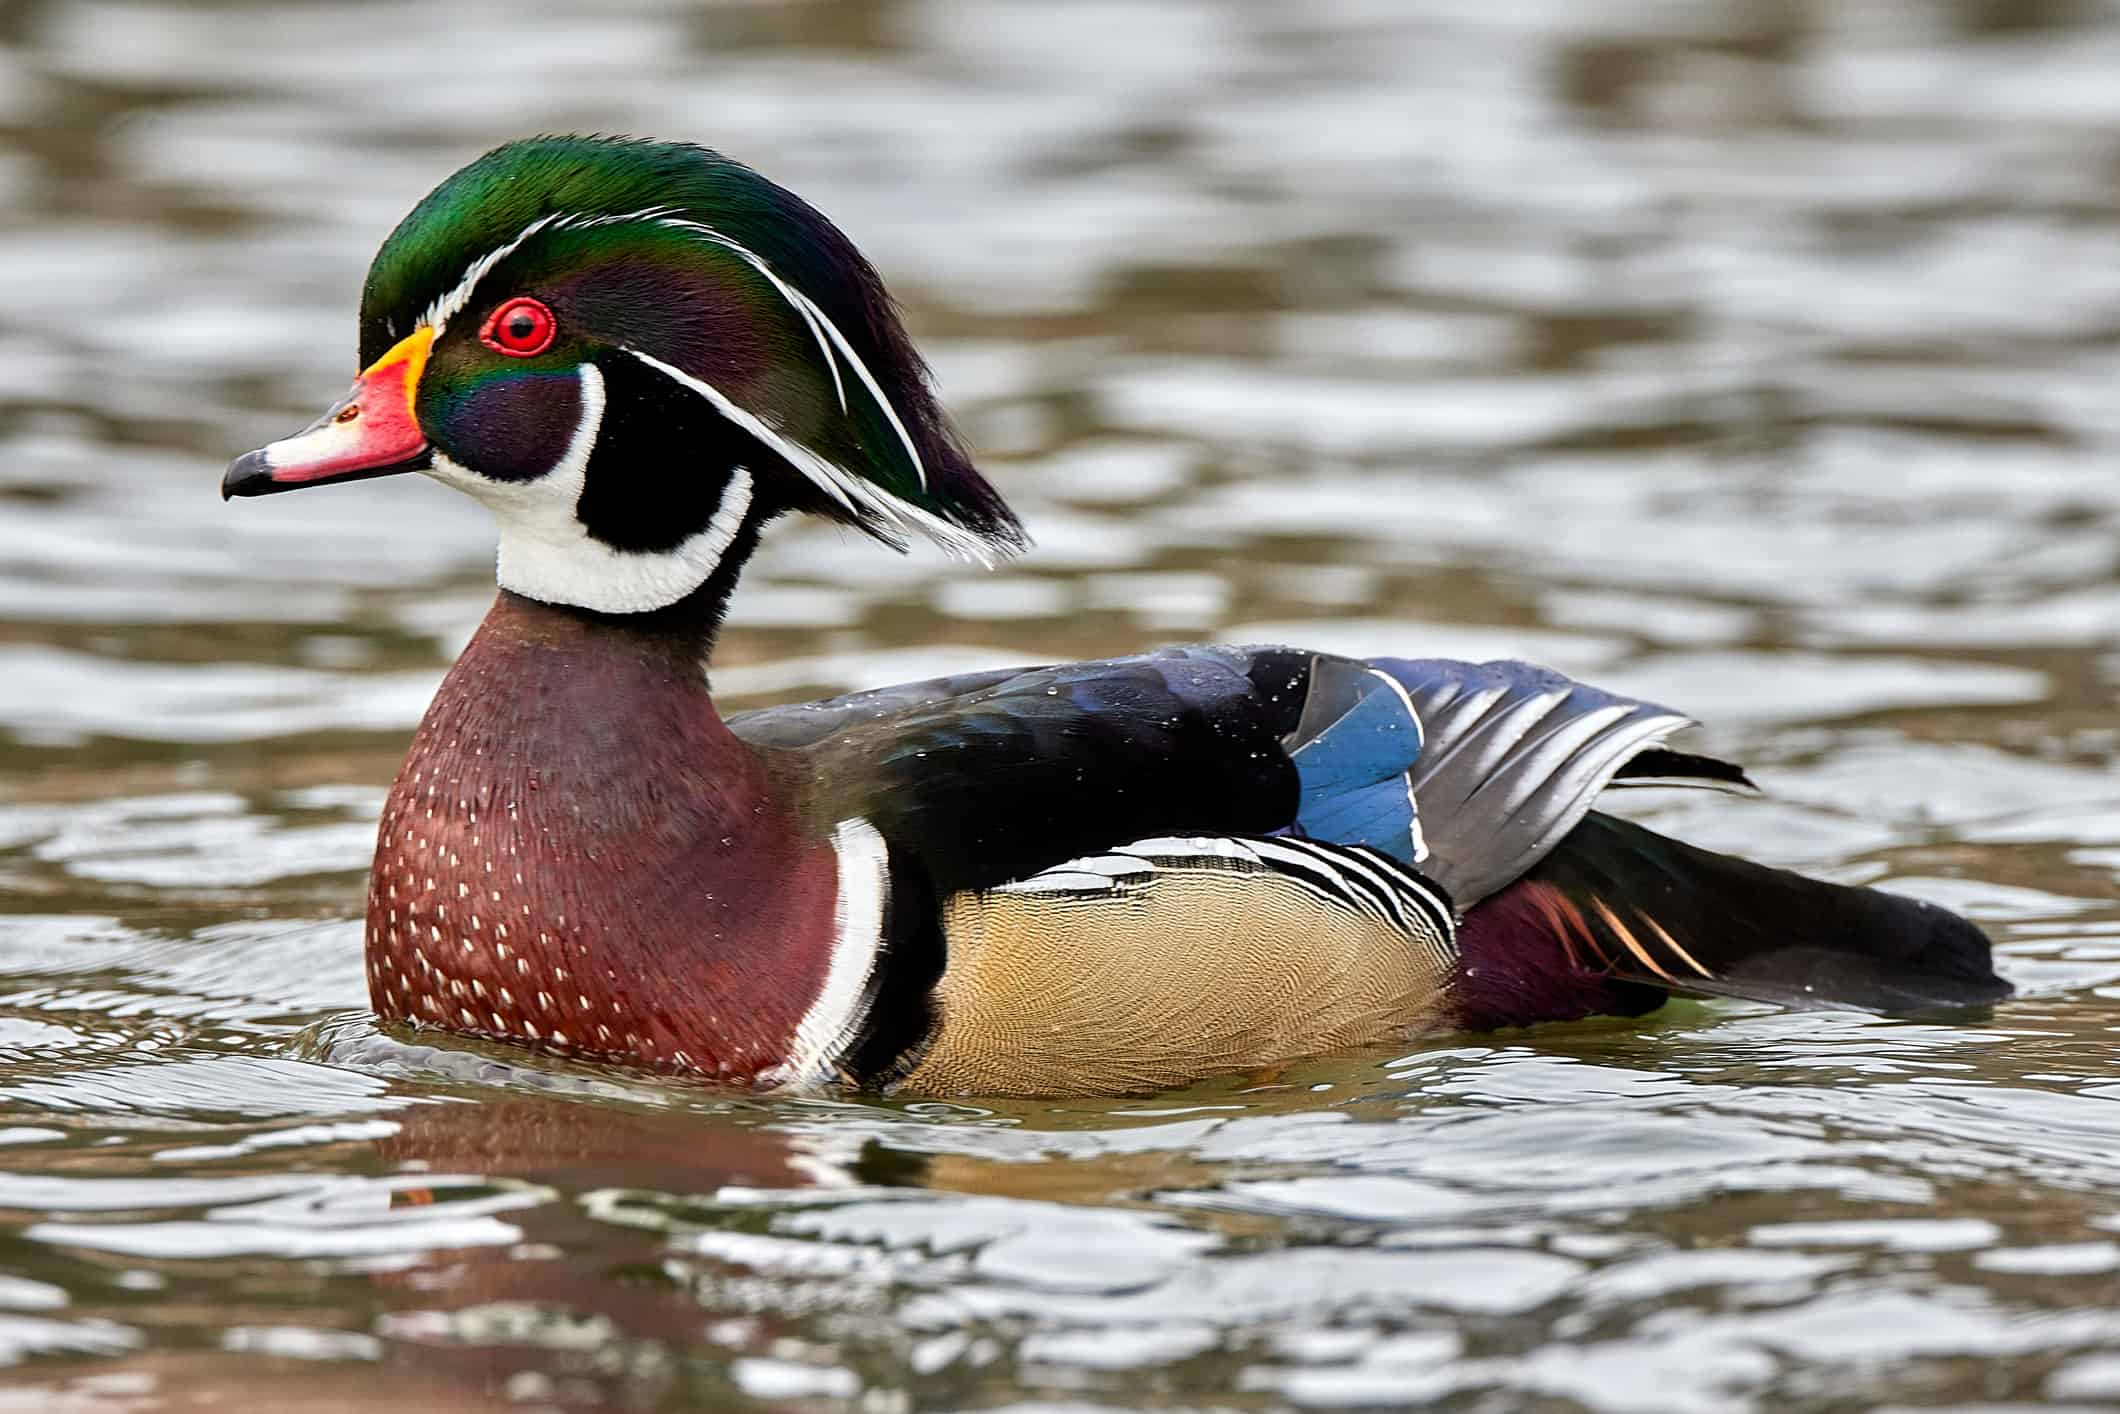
<point x="1616" y="908"/>
<point x="1661" y="766"/>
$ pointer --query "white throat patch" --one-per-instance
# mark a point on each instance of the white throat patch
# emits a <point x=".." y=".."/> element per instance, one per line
<point x="547" y="554"/>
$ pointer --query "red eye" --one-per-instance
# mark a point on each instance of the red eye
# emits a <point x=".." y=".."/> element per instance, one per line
<point x="519" y="328"/>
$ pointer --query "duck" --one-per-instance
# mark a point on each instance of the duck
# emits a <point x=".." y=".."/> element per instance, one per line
<point x="1089" y="878"/>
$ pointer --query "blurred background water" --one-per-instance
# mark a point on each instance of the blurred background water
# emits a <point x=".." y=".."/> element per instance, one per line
<point x="1756" y="356"/>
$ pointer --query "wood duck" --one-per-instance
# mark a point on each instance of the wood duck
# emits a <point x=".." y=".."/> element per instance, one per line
<point x="1086" y="878"/>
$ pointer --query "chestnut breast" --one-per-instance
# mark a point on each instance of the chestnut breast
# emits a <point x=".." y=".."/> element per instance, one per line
<point x="578" y="852"/>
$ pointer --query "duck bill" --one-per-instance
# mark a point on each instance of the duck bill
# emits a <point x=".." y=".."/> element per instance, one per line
<point x="372" y="431"/>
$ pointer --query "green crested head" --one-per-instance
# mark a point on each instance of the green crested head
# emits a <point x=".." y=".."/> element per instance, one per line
<point x="638" y="353"/>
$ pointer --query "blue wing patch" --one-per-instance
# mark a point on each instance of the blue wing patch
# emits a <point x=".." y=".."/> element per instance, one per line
<point x="1351" y="773"/>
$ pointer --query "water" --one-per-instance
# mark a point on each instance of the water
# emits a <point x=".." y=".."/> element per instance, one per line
<point x="1757" y="357"/>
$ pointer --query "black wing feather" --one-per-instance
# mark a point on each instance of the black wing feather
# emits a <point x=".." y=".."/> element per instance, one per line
<point x="992" y="777"/>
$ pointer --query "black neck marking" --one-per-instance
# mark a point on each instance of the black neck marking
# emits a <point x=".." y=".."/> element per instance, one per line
<point x="662" y="462"/>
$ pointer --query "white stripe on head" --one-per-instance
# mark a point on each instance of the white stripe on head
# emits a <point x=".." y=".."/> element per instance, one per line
<point x="809" y="313"/>
<point x="832" y="346"/>
<point x="665" y="216"/>
<point x="546" y="553"/>
<point x="857" y="940"/>
<point x="447" y="306"/>
<point x="818" y="320"/>
<point x="856" y="493"/>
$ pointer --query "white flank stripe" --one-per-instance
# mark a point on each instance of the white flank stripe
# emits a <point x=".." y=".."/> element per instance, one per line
<point x="1340" y="862"/>
<point x="1194" y="847"/>
<point x="854" y="492"/>
<point x="1331" y="873"/>
<point x="1355" y="878"/>
<point x="1438" y="913"/>
<point x="857" y="937"/>
<point x="1066" y="880"/>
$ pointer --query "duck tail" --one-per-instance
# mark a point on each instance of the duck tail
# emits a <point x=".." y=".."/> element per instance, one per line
<point x="1617" y="917"/>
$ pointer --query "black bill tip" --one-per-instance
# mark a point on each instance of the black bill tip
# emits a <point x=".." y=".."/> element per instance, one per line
<point x="248" y="475"/>
<point x="251" y="475"/>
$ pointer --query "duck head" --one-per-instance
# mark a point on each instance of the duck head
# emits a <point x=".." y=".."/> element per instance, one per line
<point x="637" y="354"/>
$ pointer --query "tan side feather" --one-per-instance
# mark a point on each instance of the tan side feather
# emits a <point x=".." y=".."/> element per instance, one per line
<point x="1189" y="974"/>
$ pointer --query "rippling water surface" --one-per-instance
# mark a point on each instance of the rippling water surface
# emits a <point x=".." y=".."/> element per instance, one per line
<point x="1757" y="357"/>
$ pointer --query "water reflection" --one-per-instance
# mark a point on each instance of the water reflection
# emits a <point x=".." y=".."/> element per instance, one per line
<point x="1756" y="358"/>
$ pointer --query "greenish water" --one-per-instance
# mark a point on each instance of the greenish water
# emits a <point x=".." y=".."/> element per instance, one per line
<point x="1756" y="357"/>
